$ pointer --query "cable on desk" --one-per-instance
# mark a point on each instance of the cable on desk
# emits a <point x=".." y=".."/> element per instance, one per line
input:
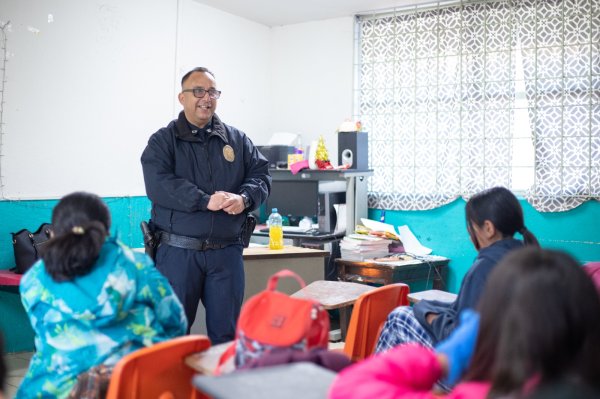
<point x="431" y="266"/>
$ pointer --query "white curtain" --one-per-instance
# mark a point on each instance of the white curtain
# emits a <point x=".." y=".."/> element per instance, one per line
<point x="450" y="97"/>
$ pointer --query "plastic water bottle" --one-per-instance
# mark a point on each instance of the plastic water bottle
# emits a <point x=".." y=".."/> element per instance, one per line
<point x="275" y="230"/>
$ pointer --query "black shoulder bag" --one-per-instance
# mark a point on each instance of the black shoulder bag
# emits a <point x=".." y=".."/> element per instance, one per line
<point x="27" y="246"/>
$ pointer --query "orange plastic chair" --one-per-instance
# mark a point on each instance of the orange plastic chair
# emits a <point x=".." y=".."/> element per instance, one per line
<point x="158" y="371"/>
<point x="368" y="316"/>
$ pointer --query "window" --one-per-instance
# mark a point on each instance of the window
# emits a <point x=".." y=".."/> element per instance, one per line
<point x="458" y="97"/>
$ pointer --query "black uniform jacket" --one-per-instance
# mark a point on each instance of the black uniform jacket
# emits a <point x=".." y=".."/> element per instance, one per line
<point x="184" y="165"/>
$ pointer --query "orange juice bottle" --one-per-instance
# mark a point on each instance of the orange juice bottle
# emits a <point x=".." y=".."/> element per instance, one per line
<point x="275" y="230"/>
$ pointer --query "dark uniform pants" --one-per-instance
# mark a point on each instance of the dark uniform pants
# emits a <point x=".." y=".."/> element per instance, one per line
<point x="214" y="276"/>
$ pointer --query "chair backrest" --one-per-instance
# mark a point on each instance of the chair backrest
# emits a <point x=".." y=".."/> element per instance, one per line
<point x="370" y="312"/>
<point x="157" y="371"/>
<point x="593" y="270"/>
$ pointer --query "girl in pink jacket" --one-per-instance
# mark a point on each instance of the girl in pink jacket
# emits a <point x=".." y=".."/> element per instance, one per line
<point x="539" y="328"/>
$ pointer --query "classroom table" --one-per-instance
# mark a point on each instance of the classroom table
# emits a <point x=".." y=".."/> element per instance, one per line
<point x="206" y="362"/>
<point x="335" y="295"/>
<point x="260" y="263"/>
<point x="424" y="268"/>
<point x="431" y="295"/>
<point x="300" y="380"/>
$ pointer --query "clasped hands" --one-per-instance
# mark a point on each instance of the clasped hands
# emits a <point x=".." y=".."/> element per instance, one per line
<point x="227" y="202"/>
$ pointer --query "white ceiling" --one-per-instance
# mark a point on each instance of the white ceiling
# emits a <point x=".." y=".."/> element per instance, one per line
<point x="286" y="12"/>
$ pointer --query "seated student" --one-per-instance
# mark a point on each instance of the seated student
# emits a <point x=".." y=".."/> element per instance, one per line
<point x="91" y="300"/>
<point x="493" y="217"/>
<point x="539" y="328"/>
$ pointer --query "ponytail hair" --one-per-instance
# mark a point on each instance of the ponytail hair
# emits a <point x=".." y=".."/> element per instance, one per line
<point x="500" y="206"/>
<point x="80" y="224"/>
<point x="528" y="237"/>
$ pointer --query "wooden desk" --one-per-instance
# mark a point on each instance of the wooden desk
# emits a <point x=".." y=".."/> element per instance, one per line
<point x="432" y="295"/>
<point x="260" y="263"/>
<point x="206" y="362"/>
<point x="335" y="295"/>
<point x="434" y="268"/>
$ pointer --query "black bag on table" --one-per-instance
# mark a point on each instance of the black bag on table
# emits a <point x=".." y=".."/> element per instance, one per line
<point x="27" y="246"/>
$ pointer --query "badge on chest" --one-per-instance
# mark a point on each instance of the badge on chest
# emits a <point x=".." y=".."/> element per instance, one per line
<point x="228" y="153"/>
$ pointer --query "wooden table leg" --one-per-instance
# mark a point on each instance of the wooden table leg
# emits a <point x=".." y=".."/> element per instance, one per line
<point x="345" y="313"/>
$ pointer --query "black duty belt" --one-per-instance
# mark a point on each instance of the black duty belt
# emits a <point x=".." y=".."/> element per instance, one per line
<point x="178" y="241"/>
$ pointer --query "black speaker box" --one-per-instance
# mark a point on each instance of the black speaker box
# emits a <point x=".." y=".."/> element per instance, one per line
<point x="353" y="148"/>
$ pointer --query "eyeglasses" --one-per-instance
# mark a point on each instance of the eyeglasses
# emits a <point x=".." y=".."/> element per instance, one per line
<point x="200" y="92"/>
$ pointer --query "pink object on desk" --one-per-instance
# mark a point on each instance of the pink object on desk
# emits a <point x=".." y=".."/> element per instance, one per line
<point x="298" y="166"/>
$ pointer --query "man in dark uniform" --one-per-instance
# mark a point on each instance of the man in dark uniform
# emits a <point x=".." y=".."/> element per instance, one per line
<point x="202" y="177"/>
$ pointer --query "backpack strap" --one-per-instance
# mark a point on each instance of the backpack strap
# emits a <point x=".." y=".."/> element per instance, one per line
<point x="225" y="356"/>
<point x="272" y="284"/>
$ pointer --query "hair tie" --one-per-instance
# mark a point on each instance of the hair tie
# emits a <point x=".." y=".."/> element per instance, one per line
<point x="78" y="230"/>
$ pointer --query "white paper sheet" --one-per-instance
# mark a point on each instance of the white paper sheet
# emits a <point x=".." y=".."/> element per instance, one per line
<point x="340" y="225"/>
<point x="411" y="243"/>
<point x="378" y="226"/>
<point x="284" y="138"/>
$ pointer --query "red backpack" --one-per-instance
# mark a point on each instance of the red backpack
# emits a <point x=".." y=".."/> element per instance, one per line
<point x="271" y="320"/>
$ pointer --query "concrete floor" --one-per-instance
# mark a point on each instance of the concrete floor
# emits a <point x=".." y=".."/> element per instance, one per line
<point x="17" y="364"/>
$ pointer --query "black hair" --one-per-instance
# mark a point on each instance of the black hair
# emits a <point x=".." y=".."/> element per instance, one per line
<point x="197" y="69"/>
<point x="502" y="209"/>
<point x="539" y="317"/>
<point x="2" y="365"/>
<point x="80" y="224"/>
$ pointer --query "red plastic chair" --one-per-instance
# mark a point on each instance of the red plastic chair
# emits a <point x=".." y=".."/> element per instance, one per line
<point x="158" y="371"/>
<point x="369" y="314"/>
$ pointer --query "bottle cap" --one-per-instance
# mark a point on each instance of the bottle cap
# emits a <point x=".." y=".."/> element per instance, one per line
<point x="274" y="210"/>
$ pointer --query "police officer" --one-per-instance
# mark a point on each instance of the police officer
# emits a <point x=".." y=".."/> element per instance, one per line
<point x="202" y="177"/>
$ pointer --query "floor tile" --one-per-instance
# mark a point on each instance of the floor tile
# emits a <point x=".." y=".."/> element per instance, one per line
<point x="12" y="383"/>
<point x="16" y="365"/>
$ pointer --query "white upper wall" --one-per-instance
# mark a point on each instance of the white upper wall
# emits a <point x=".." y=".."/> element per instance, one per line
<point x="237" y="51"/>
<point x="88" y="82"/>
<point x="85" y="84"/>
<point x="312" y="79"/>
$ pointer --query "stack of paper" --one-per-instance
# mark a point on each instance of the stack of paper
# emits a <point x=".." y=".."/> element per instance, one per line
<point x="409" y="241"/>
<point x="360" y="247"/>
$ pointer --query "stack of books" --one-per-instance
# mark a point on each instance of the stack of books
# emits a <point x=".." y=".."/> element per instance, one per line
<point x="360" y="247"/>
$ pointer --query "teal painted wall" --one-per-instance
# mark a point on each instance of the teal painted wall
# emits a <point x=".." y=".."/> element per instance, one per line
<point x="127" y="213"/>
<point x="444" y="230"/>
